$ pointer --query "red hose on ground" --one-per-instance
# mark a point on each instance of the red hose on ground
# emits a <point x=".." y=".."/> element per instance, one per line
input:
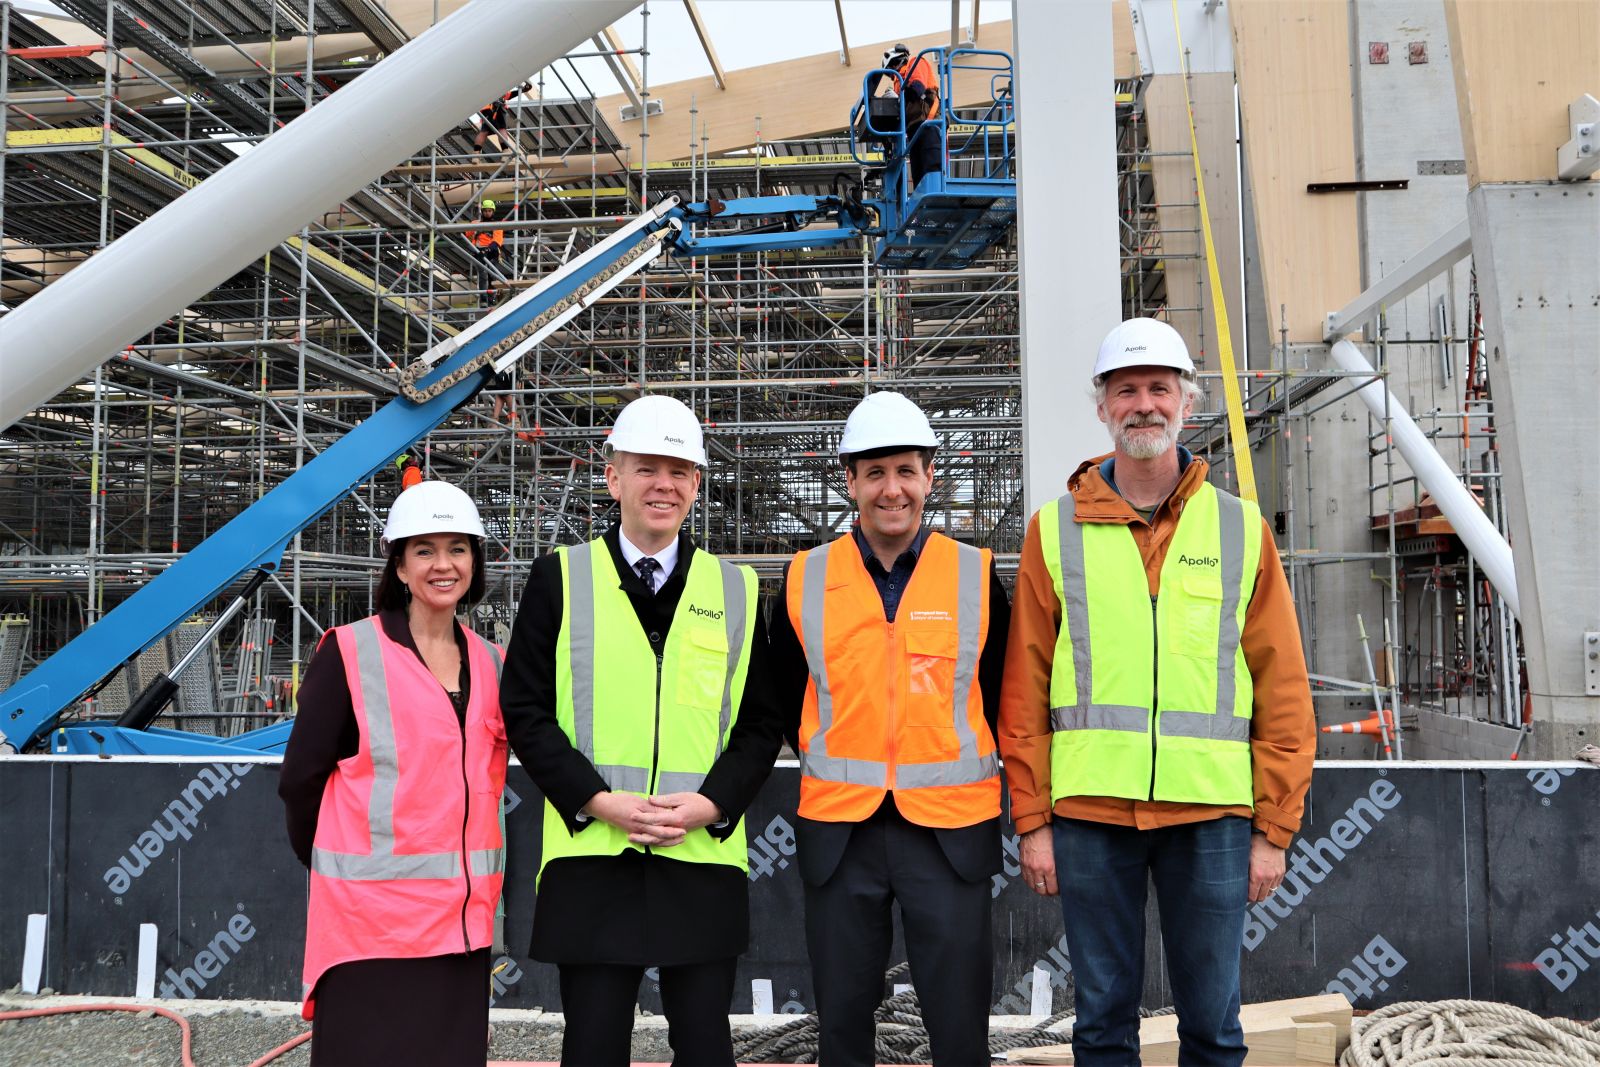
<point x="293" y="1042"/>
<point x="33" y="1013"/>
<point x="183" y="1024"/>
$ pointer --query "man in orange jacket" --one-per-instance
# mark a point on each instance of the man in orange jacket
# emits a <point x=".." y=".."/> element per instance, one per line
<point x="887" y="645"/>
<point x="1174" y="744"/>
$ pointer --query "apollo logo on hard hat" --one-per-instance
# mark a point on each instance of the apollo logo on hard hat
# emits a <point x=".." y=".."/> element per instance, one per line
<point x="672" y="440"/>
<point x="444" y="516"/>
<point x="1135" y="348"/>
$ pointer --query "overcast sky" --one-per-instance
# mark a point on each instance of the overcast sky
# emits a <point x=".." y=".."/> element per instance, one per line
<point x="749" y="33"/>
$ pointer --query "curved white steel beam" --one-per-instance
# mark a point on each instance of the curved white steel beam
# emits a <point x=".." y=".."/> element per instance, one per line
<point x="1486" y="543"/>
<point x="308" y="167"/>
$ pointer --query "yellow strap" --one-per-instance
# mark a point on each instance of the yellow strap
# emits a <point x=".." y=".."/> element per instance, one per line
<point x="1230" y="378"/>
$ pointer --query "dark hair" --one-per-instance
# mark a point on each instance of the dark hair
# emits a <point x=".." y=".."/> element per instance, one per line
<point x="849" y="459"/>
<point x="392" y="592"/>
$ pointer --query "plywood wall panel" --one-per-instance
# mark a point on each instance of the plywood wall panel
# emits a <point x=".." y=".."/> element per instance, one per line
<point x="1517" y="67"/>
<point x="1293" y="64"/>
<point x="1173" y="173"/>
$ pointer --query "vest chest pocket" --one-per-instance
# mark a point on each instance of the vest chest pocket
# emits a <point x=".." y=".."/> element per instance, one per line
<point x="1198" y="620"/>
<point x="930" y="677"/>
<point x="702" y="667"/>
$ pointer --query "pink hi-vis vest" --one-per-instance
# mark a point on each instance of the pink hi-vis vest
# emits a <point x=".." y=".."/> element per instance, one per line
<point x="408" y="857"/>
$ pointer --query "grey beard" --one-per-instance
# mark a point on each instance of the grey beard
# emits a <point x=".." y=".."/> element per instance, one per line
<point x="1145" y="446"/>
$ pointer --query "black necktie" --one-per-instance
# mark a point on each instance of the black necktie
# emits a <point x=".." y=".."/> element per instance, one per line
<point x="647" y="568"/>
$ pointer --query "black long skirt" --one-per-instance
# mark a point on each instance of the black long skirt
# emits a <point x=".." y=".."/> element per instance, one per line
<point x="433" y="1010"/>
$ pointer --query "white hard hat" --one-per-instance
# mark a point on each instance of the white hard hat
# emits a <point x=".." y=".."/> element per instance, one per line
<point x="1143" y="343"/>
<point x="658" y="426"/>
<point x="430" y="507"/>
<point x="885" y="420"/>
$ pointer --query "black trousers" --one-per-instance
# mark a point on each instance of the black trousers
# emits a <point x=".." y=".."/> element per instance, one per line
<point x="924" y="150"/>
<point x="432" y="1009"/>
<point x="598" y="1001"/>
<point x="850" y="927"/>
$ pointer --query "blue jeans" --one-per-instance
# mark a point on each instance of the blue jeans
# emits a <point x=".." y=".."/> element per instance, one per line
<point x="1202" y="874"/>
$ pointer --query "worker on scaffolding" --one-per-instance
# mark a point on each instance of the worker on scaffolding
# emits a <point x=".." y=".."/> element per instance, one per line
<point x="391" y="783"/>
<point x="494" y="123"/>
<point x="918" y="87"/>
<point x="487" y="245"/>
<point x="888" y="645"/>
<point x="1156" y="719"/>
<point x="636" y="697"/>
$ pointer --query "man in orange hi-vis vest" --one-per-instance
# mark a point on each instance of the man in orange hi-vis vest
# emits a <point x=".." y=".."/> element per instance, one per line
<point x="888" y="646"/>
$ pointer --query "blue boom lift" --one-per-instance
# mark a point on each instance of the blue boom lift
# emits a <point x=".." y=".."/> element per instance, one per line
<point x="948" y="219"/>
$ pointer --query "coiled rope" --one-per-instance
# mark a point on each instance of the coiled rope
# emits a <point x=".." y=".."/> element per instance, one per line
<point x="1469" y="1032"/>
<point x="901" y="1035"/>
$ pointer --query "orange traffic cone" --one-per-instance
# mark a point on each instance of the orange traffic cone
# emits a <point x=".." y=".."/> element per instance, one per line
<point x="1369" y="725"/>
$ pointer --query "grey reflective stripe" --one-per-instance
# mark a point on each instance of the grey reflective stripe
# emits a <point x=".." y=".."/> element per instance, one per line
<point x="812" y="606"/>
<point x="1075" y="598"/>
<point x="382" y="867"/>
<point x="679" y="781"/>
<point x="1215" y="726"/>
<point x="487" y="861"/>
<point x="827" y="768"/>
<point x="380" y="734"/>
<point x="962" y="771"/>
<point x="580" y="638"/>
<point x="1101" y="717"/>
<point x="1230" y="526"/>
<point x="969" y="615"/>
<point x="625" y="779"/>
<point x="733" y="618"/>
<point x="494" y="654"/>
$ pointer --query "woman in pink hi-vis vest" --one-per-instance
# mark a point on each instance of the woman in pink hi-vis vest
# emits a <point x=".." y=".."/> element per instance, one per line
<point x="391" y="780"/>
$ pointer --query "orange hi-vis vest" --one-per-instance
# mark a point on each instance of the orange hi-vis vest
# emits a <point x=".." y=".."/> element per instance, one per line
<point x="894" y="706"/>
<point x="922" y="71"/>
<point x="484" y="239"/>
<point x="408" y="858"/>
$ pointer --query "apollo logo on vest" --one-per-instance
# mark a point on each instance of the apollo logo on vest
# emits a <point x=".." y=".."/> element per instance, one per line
<point x="1197" y="561"/>
<point x="704" y="613"/>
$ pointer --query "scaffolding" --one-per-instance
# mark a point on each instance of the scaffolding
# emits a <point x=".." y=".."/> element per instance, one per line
<point x="118" y="476"/>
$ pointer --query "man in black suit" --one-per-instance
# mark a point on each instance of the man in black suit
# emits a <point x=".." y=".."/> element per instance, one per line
<point x="635" y="696"/>
<point x="887" y="649"/>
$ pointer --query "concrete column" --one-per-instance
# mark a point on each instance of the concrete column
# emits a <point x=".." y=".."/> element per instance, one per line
<point x="1067" y="231"/>
<point x="1537" y="249"/>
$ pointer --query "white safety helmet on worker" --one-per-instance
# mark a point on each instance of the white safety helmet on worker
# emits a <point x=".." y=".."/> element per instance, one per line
<point x="885" y="420"/>
<point x="658" y="425"/>
<point x="427" y="508"/>
<point x="1143" y="343"/>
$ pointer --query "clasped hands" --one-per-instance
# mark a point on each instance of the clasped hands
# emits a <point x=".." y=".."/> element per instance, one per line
<point x="658" y="821"/>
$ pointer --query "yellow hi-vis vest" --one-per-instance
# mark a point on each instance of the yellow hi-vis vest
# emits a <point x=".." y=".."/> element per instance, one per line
<point x="1150" y="697"/>
<point x="649" y="726"/>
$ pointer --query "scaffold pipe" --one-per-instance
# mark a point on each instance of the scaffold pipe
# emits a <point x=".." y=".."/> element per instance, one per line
<point x="1486" y="543"/>
<point x="308" y="167"/>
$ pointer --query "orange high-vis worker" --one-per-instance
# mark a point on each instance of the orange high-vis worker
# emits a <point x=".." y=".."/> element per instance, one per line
<point x="922" y="71"/>
<point x="894" y="706"/>
<point x="408" y="857"/>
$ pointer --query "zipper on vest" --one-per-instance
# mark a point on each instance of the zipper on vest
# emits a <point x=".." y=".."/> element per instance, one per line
<point x="891" y="671"/>
<point x="466" y="857"/>
<point x="1155" y="690"/>
<point x="655" y="738"/>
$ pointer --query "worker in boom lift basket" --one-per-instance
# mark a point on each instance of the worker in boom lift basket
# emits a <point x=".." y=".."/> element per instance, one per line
<point x="636" y="698"/>
<point x="1155" y="718"/>
<point x="391" y="782"/>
